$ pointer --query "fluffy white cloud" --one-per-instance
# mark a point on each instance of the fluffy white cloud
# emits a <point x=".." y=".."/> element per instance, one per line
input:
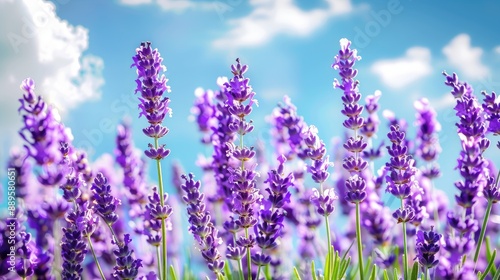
<point x="400" y="72"/>
<point x="465" y="58"/>
<point x="272" y="17"/>
<point x="36" y="43"/>
<point x="172" y="5"/>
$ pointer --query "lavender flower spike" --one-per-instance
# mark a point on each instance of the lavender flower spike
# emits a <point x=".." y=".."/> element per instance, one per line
<point x="427" y="246"/>
<point x="354" y="163"/>
<point x="152" y="86"/>
<point x="154" y="106"/>
<point x="201" y="226"/>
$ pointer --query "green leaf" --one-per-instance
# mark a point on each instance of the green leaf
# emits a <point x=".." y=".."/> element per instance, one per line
<point x="296" y="273"/>
<point x="497" y="274"/>
<point x="386" y="276"/>
<point x="490" y="264"/>
<point x="396" y="274"/>
<point x="343" y="267"/>
<point x="172" y="273"/>
<point x="267" y="272"/>
<point x="335" y="266"/>
<point x="227" y="271"/>
<point x="313" y="271"/>
<point x="414" y="271"/>
<point x="374" y="272"/>
<point x="327" y="266"/>
<point x="488" y="255"/>
<point x="368" y="264"/>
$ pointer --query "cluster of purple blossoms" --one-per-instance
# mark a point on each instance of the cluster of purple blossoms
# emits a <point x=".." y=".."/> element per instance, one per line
<point x="491" y="107"/>
<point x="427" y="246"/>
<point x="154" y="106"/>
<point x="126" y="266"/>
<point x="201" y="226"/>
<point x="242" y="179"/>
<point x="105" y="204"/>
<point x="133" y="166"/>
<point x="471" y="130"/>
<point x="354" y="163"/>
<point x="27" y="257"/>
<point x="428" y="146"/>
<point x="42" y="130"/>
<point x="272" y="215"/>
<point x="73" y="246"/>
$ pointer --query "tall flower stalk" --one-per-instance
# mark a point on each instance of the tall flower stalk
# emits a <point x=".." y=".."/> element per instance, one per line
<point x="154" y="106"/>
<point x="354" y="163"/>
<point x="240" y="99"/>
<point x="400" y="181"/>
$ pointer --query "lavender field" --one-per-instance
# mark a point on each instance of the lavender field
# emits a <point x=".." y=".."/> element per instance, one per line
<point x="341" y="181"/>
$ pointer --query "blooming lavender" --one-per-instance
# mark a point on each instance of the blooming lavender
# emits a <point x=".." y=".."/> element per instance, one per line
<point x="240" y="99"/>
<point x="428" y="146"/>
<point x="270" y="227"/>
<point x="427" y="246"/>
<point x="201" y="226"/>
<point x="154" y="107"/>
<point x="105" y="206"/>
<point x="74" y="209"/>
<point x="401" y="181"/>
<point x="344" y="62"/>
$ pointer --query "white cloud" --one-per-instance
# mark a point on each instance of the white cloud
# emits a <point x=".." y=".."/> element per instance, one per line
<point x="172" y="5"/>
<point x="465" y="58"/>
<point x="446" y="101"/>
<point x="36" y="43"/>
<point x="135" y="2"/>
<point x="400" y="72"/>
<point x="497" y="50"/>
<point x="272" y="17"/>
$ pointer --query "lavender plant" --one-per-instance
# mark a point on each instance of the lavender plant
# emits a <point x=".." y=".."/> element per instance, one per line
<point x="254" y="218"/>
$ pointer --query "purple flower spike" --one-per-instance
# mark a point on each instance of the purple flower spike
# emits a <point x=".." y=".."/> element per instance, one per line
<point x="73" y="247"/>
<point x="491" y="106"/>
<point x="105" y="204"/>
<point x="353" y="163"/>
<point x="401" y="168"/>
<point x="472" y="128"/>
<point x="27" y="259"/>
<point x="42" y="130"/>
<point x="427" y="246"/>
<point x="427" y="140"/>
<point x="126" y="266"/>
<point x="201" y="226"/>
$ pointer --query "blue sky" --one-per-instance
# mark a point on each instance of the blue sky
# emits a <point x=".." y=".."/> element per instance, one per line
<point x="289" y="46"/>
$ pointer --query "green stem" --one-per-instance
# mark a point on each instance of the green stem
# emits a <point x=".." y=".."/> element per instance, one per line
<point x="360" y="248"/>
<point x="483" y="231"/>
<point x="118" y="242"/>
<point x="329" y="243"/>
<point x="95" y="258"/>
<point x="240" y="265"/>
<point x="258" y="272"/>
<point x="159" y="258"/>
<point x="249" y="258"/>
<point x="405" y="249"/>
<point x="163" y="225"/>
<point x="57" y="249"/>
